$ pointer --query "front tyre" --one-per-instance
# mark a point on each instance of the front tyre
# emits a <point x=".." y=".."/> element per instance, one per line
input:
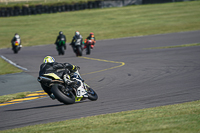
<point x="92" y="95"/>
<point x="64" y="97"/>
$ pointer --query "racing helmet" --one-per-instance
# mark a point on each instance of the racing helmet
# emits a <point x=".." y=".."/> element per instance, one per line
<point x="91" y="34"/>
<point x="77" y="33"/>
<point x="48" y="59"/>
<point x="60" y="33"/>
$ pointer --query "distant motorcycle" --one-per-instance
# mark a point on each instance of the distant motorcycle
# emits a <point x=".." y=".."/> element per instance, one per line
<point x="77" y="48"/>
<point x="67" y="94"/>
<point x="15" y="47"/>
<point x="61" y="48"/>
<point x="89" y="44"/>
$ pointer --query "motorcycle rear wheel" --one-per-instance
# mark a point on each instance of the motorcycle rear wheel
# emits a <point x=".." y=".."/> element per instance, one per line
<point x="15" y="50"/>
<point x="78" y="51"/>
<point x="63" y="51"/>
<point x="88" y="49"/>
<point x="64" y="97"/>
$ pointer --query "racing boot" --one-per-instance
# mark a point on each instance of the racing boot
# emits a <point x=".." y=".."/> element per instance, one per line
<point x="52" y="96"/>
<point x="68" y="81"/>
<point x="70" y="85"/>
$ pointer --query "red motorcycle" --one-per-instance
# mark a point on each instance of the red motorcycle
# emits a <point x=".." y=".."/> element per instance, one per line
<point x="89" y="44"/>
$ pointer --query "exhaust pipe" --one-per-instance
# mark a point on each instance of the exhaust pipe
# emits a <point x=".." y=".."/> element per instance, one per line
<point x="44" y="79"/>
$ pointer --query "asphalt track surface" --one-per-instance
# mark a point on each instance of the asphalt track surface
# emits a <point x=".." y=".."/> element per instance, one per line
<point x="138" y="78"/>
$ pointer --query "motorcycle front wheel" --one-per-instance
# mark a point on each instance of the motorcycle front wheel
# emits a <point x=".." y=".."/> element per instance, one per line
<point x="92" y="95"/>
<point x="62" y="95"/>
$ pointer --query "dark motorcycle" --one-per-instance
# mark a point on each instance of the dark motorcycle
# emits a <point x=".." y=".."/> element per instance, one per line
<point x="67" y="94"/>
<point x="61" y="48"/>
<point x="77" y="48"/>
<point x="16" y="47"/>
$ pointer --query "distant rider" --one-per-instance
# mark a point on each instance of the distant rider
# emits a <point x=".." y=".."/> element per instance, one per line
<point x="90" y="37"/>
<point x="63" y="70"/>
<point x="61" y="39"/>
<point x="16" y="38"/>
<point x="77" y="40"/>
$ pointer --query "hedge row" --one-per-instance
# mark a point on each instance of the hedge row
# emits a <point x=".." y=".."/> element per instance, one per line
<point x="62" y="7"/>
<point x="39" y="9"/>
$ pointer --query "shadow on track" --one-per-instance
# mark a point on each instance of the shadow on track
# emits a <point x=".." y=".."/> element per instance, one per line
<point x="48" y="106"/>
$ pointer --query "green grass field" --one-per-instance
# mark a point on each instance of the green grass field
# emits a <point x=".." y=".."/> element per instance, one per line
<point x="112" y="23"/>
<point x="105" y="23"/>
<point x="6" y="68"/>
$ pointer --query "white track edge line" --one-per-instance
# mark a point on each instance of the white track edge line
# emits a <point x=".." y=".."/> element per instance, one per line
<point x="14" y="64"/>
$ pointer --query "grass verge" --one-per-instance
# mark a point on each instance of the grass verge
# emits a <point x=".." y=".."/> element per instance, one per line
<point x="6" y="98"/>
<point x="105" y="23"/>
<point x="179" y="118"/>
<point x="7" y="68"/>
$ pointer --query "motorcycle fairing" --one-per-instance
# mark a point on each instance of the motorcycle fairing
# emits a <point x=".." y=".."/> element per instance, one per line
<point x="81" y="92"/>
<point x="61" y="43"/>
<point x="52" y="75"/>
<point x="77" y="99"/>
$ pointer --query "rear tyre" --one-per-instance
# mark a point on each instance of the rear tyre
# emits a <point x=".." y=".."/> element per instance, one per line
<point x="64" y="97"/>
<point x="88" y="49"/>
<point x="79" y="51"/>
<point x="15" y="49"/>
<point x="63" y="51"/>
<point x="92" y="95"/>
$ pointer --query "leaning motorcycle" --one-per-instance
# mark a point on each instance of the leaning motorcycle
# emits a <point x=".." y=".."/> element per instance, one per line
<point x="67" y="94"/>
<point x="15" y="47"/>
<point x="61" y="48"/>
<point x="89" y="44"/>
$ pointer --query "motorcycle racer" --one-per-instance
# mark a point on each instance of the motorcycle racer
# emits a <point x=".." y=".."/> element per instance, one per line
<point x="63" y="70"/>
<point x="61" y="38"/>
<point x="77" y="39"/>
<point x="16" y="38"/>
<point x="90" y="37"/>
